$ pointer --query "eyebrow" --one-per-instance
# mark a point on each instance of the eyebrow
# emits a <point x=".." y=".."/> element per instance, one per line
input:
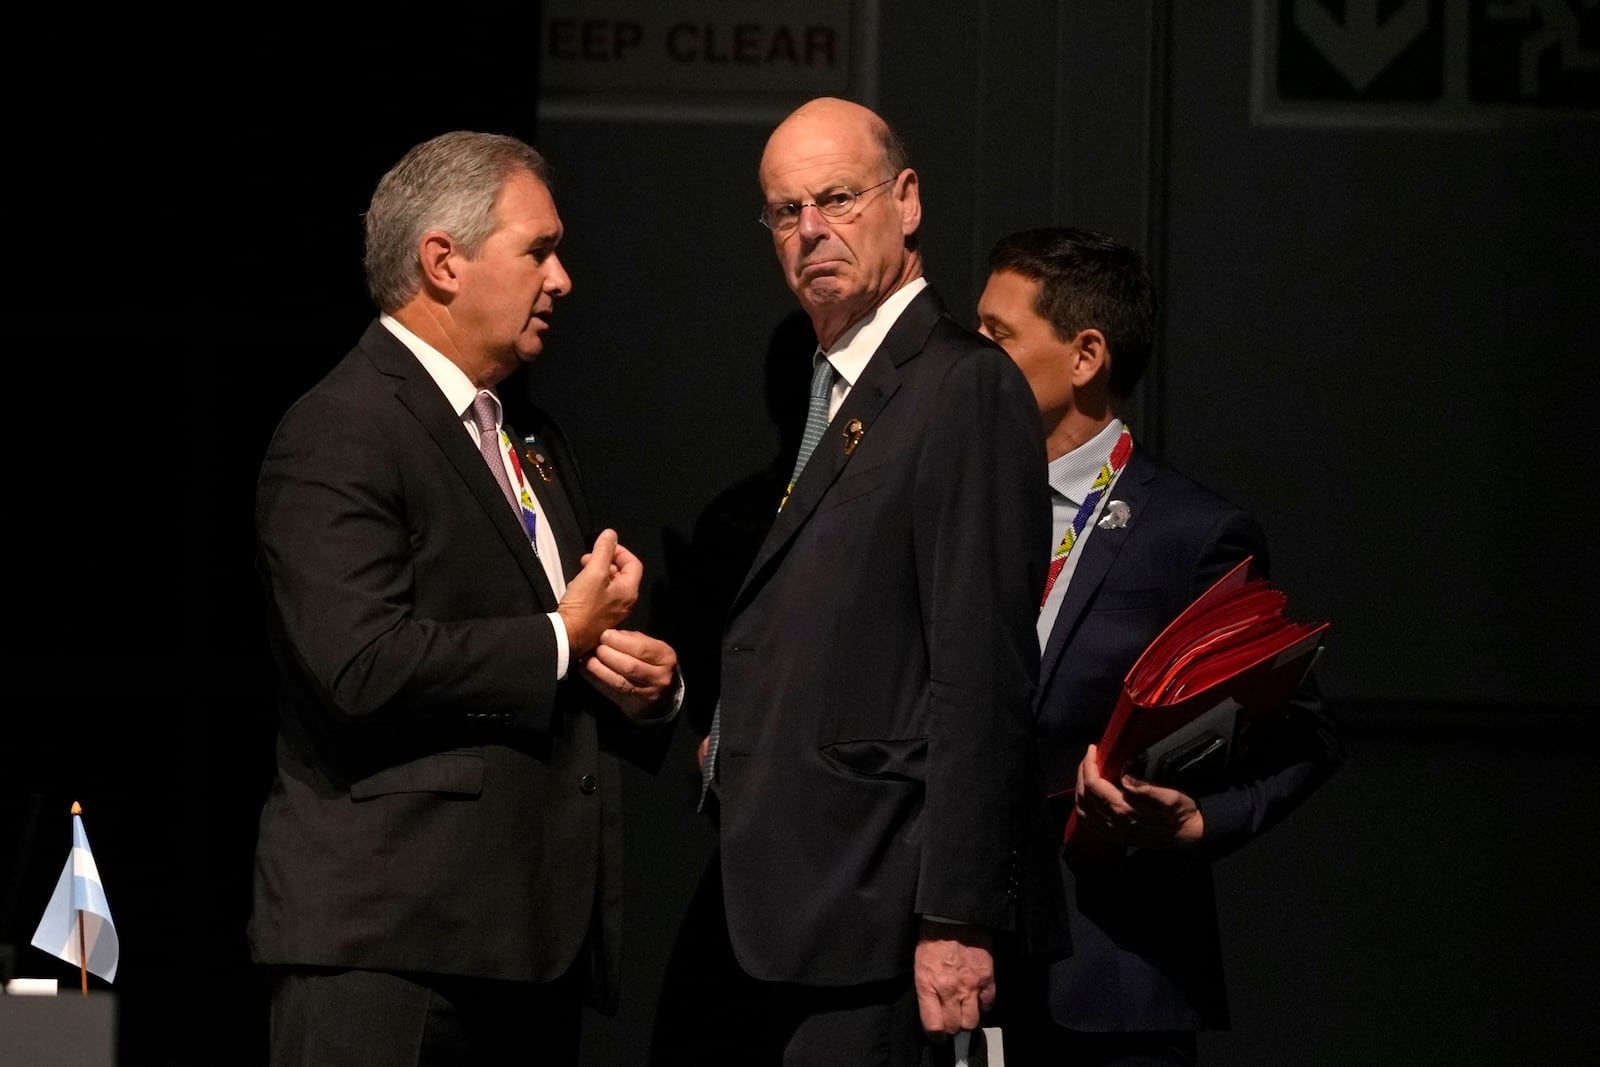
<point x="545" y="238"/>
<point x="824" y="189"/>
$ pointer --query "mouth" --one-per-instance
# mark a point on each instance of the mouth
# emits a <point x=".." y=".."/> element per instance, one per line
<point x="820" y="266"/>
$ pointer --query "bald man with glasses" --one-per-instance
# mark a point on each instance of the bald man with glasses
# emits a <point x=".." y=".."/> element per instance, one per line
<point x="870" y="764"/>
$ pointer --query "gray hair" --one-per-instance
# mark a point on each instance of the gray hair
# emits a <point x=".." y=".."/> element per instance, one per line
<point x="448" y="183"/>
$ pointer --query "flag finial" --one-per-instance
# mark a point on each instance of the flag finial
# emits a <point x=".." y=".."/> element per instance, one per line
<point x="77" y="809"/>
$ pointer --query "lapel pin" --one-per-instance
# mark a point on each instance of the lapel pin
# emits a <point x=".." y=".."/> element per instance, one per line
<point x="852" y="435"/>
<point x="540" y="463"/>
<point x="1116" y="516"/>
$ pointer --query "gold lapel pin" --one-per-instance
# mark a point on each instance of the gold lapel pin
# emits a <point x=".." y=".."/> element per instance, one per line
<point x="852" y="435"/>
<point x="540" y="464"/>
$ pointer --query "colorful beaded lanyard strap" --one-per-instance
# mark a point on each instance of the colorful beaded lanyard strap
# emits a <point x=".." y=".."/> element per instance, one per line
<point x="530" y="514"/>
<point x="1102" y="481"/>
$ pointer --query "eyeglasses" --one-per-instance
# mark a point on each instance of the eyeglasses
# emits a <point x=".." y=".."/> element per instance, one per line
<point x="781" y="218"/>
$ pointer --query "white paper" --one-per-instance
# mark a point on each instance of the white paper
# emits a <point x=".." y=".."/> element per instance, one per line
<point x="979" y="1048"/>
<point x="31" y="987"/>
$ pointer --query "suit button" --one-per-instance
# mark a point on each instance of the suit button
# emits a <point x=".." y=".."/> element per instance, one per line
<point x="587" y="785"/>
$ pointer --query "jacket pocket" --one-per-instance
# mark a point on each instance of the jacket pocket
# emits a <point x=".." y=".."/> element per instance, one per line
<point x="880" y="758"/>
<point x="454" y="773"/>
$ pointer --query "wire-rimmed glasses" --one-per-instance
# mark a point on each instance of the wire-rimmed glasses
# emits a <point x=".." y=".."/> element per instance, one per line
<point x="834" y="204"/>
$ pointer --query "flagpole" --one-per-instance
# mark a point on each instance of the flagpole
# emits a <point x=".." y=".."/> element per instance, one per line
<point x="83" y="954"/>
<point x="83" y="958"/>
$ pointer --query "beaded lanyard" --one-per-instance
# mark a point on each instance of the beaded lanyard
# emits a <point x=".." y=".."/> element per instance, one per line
<point x="530" y="516"/>
<point x="1120" y="451"/>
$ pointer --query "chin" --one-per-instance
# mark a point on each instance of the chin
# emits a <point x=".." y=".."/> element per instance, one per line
<point x="824" y="292"/>
<point x="529" y="345"/>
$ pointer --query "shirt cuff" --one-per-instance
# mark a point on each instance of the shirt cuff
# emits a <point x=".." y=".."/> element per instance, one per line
<point x="561" y="643"/>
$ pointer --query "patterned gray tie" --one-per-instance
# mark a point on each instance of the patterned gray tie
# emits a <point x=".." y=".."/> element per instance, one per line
<point x="816" y="423"/>
<point x="816" y="417"/>
<point x="486" y="413"/>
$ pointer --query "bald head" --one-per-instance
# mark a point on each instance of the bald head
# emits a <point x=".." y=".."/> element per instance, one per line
<point x="849" y="127"/>
<point x="842" y="264"/>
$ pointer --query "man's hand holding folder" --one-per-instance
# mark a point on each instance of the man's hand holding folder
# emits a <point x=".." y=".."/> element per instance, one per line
<point x="1229" y="659"/>
<point x="1132" y="814"/>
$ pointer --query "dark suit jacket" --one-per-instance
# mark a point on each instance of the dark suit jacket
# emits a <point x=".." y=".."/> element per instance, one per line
<point x="878" y="666"/>
<point x="1144" y="930"/>
<point x="441" y="804"/>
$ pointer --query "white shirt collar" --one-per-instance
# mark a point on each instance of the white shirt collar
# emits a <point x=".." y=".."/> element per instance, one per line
<point x="1073" y="474"/>
<point x="458" y="389"/>
<point x="854" y="348"/>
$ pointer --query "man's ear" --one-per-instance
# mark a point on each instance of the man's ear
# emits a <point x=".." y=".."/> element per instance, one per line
<point x="437" y="253"/>
<point x="910" y="201"/>
<point x="1091" y="357"/>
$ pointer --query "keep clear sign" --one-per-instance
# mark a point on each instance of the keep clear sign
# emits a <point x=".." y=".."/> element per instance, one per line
<point x="638" y="57"/>
<point x="1429" y="62"/>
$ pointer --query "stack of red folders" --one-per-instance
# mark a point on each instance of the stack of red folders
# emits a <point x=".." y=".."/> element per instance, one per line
<point x="1230" y="658"/>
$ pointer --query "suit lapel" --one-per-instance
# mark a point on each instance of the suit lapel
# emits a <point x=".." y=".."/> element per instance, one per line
<point x="1100" y="551"/>
<point x="851" y="427"/>
<point x="420" y="395"/>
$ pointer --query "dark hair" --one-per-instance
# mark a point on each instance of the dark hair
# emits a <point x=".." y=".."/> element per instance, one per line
<point x="1088" y="280"/>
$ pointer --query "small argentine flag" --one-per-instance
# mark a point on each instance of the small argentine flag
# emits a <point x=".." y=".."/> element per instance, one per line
<point x="79" y="893"/>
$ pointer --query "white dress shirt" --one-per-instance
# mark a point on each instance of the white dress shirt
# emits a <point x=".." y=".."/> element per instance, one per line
<point x="459" y="393"/>
<point x="1071" y="481"/>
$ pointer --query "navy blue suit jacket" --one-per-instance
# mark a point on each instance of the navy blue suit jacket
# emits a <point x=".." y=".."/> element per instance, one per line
<point x="1145" y="951"/>
<point x="878" y="667"/>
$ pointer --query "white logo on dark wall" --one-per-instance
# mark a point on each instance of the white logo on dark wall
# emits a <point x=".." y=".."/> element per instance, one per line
<point x="1439" y="54"/>
<point x="1554" y="40"/>
<point x="1365" y="42"/>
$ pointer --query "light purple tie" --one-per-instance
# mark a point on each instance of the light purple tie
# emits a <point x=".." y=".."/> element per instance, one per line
<point x="486" y="413"/>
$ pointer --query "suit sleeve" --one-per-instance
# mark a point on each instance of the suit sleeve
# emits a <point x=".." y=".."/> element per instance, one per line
<point x="982" y="516"/>
<point x="395" y="609"/>
<point x="1289" y="757"/>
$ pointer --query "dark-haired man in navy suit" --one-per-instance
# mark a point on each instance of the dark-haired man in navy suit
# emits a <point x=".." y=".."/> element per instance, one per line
<point x="1134" y="543"/>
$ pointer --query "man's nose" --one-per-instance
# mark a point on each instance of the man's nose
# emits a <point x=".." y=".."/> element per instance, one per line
<point x="557" y="281"/>
<point x="813" y="223"/>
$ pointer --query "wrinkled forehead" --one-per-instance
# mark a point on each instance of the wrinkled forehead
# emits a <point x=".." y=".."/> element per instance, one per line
<point x="810" y="153"/>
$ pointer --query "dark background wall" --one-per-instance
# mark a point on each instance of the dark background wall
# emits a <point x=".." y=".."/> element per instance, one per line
<point x="1378" y="336"/>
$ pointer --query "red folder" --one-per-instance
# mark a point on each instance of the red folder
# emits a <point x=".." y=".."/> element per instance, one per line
<point x="1228" y="658"/>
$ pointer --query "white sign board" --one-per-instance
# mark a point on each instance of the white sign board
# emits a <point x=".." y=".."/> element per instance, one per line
<point x="701" y="59"/>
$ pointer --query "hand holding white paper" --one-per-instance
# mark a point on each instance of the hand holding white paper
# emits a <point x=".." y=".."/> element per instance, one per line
<point x="979" y="1048"/>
